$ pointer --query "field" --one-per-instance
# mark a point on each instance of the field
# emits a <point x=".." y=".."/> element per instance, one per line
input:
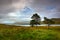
<point x="8" y="32"/>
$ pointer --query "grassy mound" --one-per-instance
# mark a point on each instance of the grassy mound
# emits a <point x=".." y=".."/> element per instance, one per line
<point x="28" y="33"/>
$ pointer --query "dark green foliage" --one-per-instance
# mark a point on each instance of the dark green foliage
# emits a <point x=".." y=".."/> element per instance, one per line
<point x="48" y="21"/>
<point x="35" y="15"/>
<point x="35" y="20"/>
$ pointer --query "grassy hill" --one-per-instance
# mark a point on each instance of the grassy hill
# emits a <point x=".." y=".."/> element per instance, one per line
<point x="11" y="32"/>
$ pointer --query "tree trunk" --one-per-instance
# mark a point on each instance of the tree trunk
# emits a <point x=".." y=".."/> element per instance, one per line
<point x="48" y="26"/>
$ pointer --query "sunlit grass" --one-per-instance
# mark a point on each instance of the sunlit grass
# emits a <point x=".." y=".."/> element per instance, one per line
<point x="29" y="33"/>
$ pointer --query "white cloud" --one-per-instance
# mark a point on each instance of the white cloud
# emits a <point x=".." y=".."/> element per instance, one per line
<point x="7" y="21"/>
<point x="12" y="14"/>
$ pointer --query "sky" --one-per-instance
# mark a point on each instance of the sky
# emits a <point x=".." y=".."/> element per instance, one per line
<point x="14" y="11"/>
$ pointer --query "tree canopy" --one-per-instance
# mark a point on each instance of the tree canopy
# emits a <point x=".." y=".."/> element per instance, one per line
<point x="48" y="21"/>
<point x="35" y="19"/>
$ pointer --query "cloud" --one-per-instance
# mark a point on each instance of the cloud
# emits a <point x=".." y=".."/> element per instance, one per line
<point x="46" y="7"/>
<point x="7" y="6"/>
<point x="24" y="14"/>
<point x="26" y="8"/>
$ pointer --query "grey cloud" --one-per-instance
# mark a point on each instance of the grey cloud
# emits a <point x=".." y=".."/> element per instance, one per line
<point x="41" y="5"/>
<point x="7" y="6"/>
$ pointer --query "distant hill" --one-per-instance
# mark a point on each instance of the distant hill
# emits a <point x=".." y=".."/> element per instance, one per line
<point x="22" y="23"/>
<point x="57" y="20"/>
<point x="6" y="25"/>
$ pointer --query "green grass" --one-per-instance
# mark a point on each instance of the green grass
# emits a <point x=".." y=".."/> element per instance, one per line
<point x="29" y="33"/>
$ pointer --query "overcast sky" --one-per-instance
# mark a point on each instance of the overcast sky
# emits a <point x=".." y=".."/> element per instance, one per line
<point x="12" y="11"/>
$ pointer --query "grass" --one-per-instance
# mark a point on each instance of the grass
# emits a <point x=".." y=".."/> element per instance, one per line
<point x="8" y="32"/>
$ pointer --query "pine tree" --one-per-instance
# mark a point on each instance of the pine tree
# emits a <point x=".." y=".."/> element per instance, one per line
<point x="35" y="19"/>
<point x="48" y="21"/>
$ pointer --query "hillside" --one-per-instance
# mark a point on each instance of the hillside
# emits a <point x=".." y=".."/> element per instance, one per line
<point x="11" y="32"/>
